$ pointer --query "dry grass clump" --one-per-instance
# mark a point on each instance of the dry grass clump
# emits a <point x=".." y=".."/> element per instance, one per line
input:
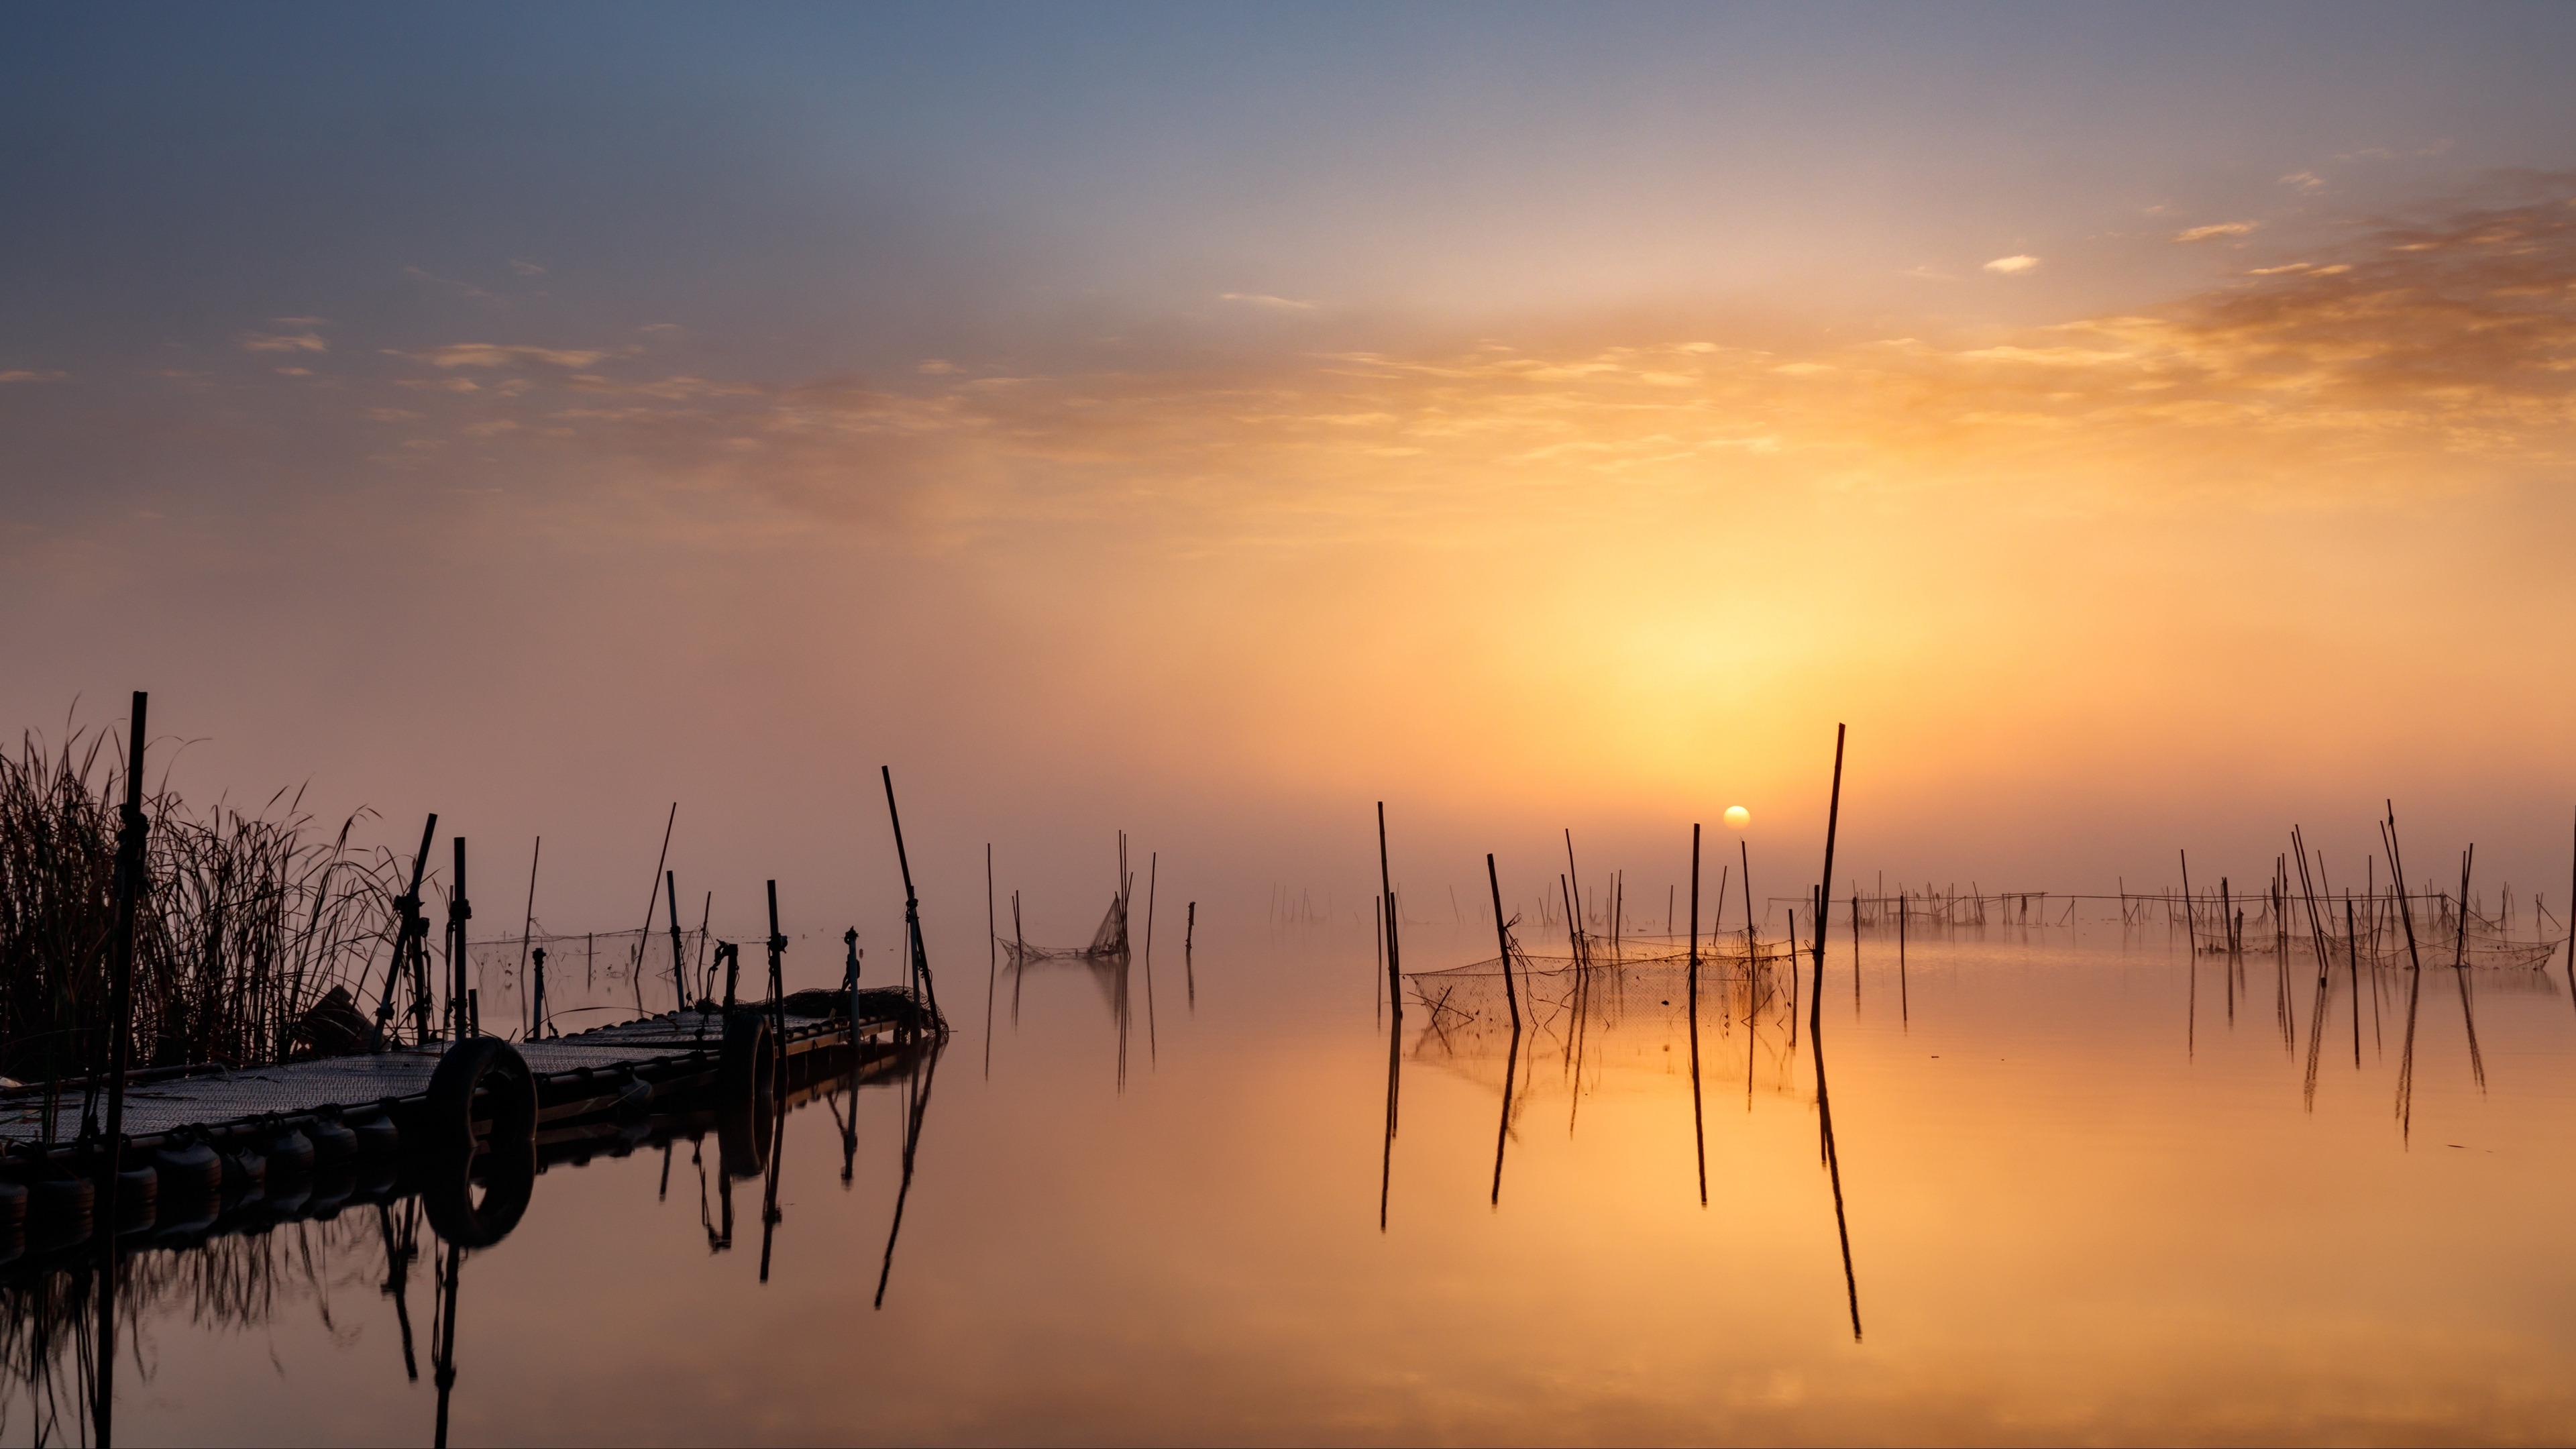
<point x="246" y="921"/>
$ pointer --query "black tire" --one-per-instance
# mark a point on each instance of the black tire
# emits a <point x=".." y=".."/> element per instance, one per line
<point x="492" y="1070"/>
<point x="750" y="1057"/>
<point x="743" y="1080"/>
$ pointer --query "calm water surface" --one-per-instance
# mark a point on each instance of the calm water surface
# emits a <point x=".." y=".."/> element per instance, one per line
<point x="2080" y="1203"/>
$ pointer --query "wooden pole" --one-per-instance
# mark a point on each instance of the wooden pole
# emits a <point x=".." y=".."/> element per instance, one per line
<point x="777" y="1000"/>
<point x="527" y="927"/>
<point x="414" y="926"/>
<point x="1744" y="853"/>
<point x="131" y="829"/>
<point x="1699" y="1130"/>
<point x="459" y="911"/>
<point x="1694" y="905"/>
<point x="1574" y="893"/>
<point x="1503" y="945"/>
<point x="1394" y="960"/>
<point x="679" y="953"/>
<point x="920" y="964"/>
<point x="1833" y="819"/>
<point x="1153" y="873"/>
<point x="992" y="961"/>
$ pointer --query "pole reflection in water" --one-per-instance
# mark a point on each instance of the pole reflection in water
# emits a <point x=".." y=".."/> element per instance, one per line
<point x="925" y="1066"/>
<point x="1394" y="1084"/>
<point x="1512" y="1056"/>
<point x="1834" y="1169"/>
<point x="229" y="1264"/>
<point x="1699" y="1130"/>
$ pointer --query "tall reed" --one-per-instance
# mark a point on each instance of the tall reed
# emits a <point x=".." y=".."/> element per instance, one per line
<point x="247" y="920"/>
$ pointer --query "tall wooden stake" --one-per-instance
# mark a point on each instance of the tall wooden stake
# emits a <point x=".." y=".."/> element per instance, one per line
<point x="679" y="954"/>
<point x="920" y="965"/>
<point x="459" y="911"/>
<point x="131" y="828"/>
<point x="527" y="927"/>
<point x="1394" y="966"/>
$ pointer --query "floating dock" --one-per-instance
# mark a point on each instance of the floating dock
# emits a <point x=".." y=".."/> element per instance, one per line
<point x="204" y="1145"/>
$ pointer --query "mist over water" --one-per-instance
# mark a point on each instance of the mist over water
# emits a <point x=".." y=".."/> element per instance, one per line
<point x="2081" y="1201"/>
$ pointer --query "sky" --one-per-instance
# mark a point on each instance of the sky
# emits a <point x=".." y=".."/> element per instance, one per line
<point x="2145" y="427"/>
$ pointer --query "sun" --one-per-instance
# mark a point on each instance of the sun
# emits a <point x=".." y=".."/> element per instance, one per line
<point x="1737" y="817"/>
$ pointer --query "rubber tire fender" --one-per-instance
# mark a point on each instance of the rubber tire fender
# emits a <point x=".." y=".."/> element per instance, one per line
<point x="486" y="1066"/>
<point x="750" y="1056"/>
<point x="743" y="1105"/>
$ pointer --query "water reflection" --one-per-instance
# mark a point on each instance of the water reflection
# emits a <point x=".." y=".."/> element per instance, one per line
<point x="236" y="1261"/>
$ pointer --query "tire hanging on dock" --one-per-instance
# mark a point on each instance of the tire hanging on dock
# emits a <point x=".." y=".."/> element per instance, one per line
<point x="491" y="1071"/>
<point x="743" y="1083"/>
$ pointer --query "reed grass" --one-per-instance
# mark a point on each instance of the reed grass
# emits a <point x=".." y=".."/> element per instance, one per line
<point x="248" y="919"/>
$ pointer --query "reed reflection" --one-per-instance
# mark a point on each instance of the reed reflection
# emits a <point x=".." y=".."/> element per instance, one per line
<point x="261" y="1245"/>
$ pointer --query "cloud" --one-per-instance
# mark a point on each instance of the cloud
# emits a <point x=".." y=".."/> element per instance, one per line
<point x="527" y="269"/>
<point x="2417" y="352"/>
<point x="2012" y="265"/>
<point x="2215" y="230"/>
<point x="2306" y="183"/>
<point x="493" y="354"/>
<point x="25" y="375"/>
<point x="462" y="289"/>
<point x="1256" y="299"/>
<point x="306" y="341"/>
<point x="1927" y="274"/>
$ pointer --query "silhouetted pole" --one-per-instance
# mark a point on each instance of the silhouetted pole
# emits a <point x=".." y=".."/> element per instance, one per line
<point x="992" y="962"/>
<point x="1694" y="924"/>
<point x="679" y="965"/>
<point x="409" y="944"/>
<point x="777" y="998"/>
<point x="1386" y="883"/>
<point x="131" y="829"/>
<point x="527" y="928"/>
<point x="459" y="911"/>
<point x="1503" y="941"/>
<point x="1833" y="820"/>
<point x="920" y="965"/>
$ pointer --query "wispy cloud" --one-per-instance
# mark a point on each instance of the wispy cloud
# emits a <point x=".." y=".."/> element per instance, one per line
<point x="303" y="341"/>
<point x="26" y="375"/>
<point x="2306" y="183"/>
<point x="2393" y="361"/>
<point x="494" y="354"/>
<point x="448" y="284"/>
<point x="2013" y="265"/>
<point x="2215" y="230"/>
<point x="1257" y="299"/>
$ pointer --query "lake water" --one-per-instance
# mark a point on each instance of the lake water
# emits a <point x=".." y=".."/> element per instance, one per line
<point x="2080" y="1202"/>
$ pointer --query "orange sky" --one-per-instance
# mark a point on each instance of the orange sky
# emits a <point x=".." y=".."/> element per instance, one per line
<point x="2163" y="512"/>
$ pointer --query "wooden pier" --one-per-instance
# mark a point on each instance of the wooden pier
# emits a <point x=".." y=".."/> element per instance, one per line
<point x="208" y="1147"/>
